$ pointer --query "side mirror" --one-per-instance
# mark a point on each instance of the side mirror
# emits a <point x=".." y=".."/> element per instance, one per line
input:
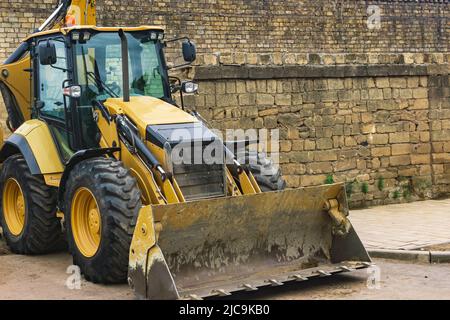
<point x="47" y="53"/>
<point x="189" y="51"/>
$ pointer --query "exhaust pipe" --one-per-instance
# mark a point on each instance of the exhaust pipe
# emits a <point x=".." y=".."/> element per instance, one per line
<point x="125" y="69"/>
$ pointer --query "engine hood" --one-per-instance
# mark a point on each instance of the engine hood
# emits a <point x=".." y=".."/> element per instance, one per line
<point x="147" y="111"/>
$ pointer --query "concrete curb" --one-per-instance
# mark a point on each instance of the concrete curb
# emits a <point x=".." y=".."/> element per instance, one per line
<point x="423" y="256"/>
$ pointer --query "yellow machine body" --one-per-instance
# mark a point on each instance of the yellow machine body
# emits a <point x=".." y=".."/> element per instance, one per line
<point x="181" y="248"/>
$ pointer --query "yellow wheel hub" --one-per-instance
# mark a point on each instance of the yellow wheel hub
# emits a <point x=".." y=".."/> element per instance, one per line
<point x="14" y="207"/>
<point x="86" y="222"/>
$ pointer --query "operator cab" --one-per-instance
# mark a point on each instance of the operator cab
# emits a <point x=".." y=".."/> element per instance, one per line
<point x="78" y="66"/>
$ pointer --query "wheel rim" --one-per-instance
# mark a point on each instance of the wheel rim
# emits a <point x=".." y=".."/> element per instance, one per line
<point x="86" y="222"/>
<point x="14" y="207"/>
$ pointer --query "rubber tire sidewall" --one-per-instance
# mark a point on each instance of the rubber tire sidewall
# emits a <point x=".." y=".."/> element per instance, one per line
<point x="98" y="260"/>
<point x="92" y="266"/>
<point x="17" y="244"/>
<point x="29" y="241"/>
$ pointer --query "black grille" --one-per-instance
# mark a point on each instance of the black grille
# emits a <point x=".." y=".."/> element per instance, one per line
<point x="200" y="181"/>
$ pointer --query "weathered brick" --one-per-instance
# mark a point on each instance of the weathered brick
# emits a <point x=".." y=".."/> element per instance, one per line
<point x="398" y="82"/>
<point x="310" y="145"/>
<point x="420" y="104"/>
<point x="226" y="100"/>
<point x="400" y="149"/>
<point x="292" y="181"/>
<point x="294" y="169"/>
<point x="441" y="157"/>
<point x="379" y="138"/>
<point x="382" y="82"/>
<point x="314" y="180"/>
<point x="265" y="99"/>
<point x="400" y="160"/>
<point x="381" y="151"/>
<point x="301" y="157"/>
<point x="319" y="167"/>
<point x="420" y="93"/>
<point x="399" y="137"/>
<point x="324" y="143"/>
<point x="283" y="99"/>
<point x="325" y="156"/>
<point x="285" y="146"/>
<point x="420" y="159"/>
<point x="247" y="99"/>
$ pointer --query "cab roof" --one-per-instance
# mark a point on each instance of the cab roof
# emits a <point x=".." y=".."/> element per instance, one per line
<point x="66" y="30"/>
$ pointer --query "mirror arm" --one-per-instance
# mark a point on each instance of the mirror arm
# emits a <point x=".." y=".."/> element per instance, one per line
<point x="187" y="64"/>
<point x="177" y="39"/>
<point x="59" y="68"/>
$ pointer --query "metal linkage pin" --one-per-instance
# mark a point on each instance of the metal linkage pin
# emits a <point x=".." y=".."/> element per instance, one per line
<point x="221" y="293"/>
<point x="298" y="277"/>
<point x="249" y="287"/>
<point x="274" y="282"/>
<point x="345" y="268"/>
<point x="323" y="273"/>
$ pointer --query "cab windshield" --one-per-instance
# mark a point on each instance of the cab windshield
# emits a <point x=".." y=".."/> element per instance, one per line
<point x="99" y="66"/>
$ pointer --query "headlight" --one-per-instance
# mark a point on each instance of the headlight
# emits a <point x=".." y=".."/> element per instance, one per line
<point x="189" y="87"/>
<point x="73" y="91"/>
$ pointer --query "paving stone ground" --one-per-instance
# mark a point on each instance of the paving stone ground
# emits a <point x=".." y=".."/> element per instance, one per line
<point x="404" y="226"/>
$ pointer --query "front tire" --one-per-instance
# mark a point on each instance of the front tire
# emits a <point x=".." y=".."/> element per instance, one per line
<point x="102" y="206"/>
<point x="28" y="210"/>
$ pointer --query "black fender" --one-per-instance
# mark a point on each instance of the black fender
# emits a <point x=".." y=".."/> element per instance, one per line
<point x="15" y="144"/>
<point x="73" y="161"/>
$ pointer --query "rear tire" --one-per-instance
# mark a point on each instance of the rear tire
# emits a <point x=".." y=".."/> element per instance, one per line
<point x="266" y="174"/>
<point x="118" y="201"/>
<point x="34" y="228"/>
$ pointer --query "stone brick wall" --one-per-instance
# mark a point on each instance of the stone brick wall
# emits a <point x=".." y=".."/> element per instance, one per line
<point x="292" y="25"/>
<point x="383" y="129"/>
<point x="369" y="107"/>
<point x="262" y="26"/>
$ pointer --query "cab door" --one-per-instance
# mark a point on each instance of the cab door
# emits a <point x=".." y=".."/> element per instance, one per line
<point x="50" y="103"/>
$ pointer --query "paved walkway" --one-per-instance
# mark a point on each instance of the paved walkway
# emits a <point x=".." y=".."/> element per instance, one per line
<point x="404" y="226"/>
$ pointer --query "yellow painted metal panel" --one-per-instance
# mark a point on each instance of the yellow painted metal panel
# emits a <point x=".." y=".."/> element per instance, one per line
<point x="150" y="111"/>
<point x="18" y="81"/>
<point x="41" y="142"/>
<point x="83" y="12"/>
<point x="53" y="179"/>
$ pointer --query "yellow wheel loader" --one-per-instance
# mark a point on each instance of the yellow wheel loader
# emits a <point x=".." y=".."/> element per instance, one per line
<point x="90" y="165"/>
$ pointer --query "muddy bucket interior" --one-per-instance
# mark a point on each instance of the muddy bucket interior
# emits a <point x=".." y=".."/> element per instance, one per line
<point x="221" y="246"/>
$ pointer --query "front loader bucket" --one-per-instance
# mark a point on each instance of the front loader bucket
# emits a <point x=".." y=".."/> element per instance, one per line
<point x="221" y="246"/>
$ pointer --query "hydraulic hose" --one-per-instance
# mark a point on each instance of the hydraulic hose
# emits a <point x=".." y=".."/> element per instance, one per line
<point x="134" y="141"/>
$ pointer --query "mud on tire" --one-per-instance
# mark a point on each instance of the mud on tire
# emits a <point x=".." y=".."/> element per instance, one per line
<point x="119" y="201"/>
<point x="42" y="232"/>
